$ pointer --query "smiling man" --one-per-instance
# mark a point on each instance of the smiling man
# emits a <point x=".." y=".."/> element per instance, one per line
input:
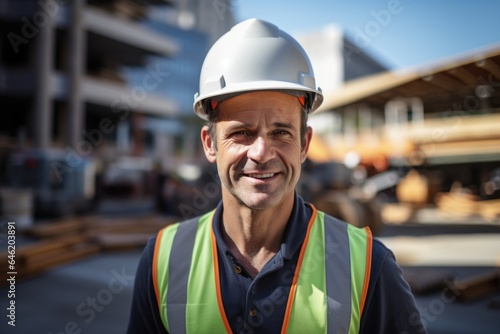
<point x="258" y="148"/>
<point x="265" y="261"/>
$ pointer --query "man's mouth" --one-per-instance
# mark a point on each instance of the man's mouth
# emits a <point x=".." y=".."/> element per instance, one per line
<point x="261" y="176"/>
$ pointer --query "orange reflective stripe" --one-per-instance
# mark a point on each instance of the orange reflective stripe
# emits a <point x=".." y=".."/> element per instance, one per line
<point x="293" y="287"/>
<point x="155" y="265"/>
<point x="369" y="239"/>
<point x="217" y="282"/>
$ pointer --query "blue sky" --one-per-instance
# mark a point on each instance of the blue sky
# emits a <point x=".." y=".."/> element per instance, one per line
<point x="400" y="33"/>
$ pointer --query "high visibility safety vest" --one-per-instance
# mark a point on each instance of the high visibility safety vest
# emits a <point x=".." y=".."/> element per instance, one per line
<point x="327" y="292"/>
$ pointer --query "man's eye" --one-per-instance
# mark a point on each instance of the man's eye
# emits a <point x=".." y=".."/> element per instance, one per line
<point x="239" y="133"/>
<point x="281" y="132"/>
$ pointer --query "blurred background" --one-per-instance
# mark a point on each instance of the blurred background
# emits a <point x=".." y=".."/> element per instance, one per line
<point x="99" y="144"/>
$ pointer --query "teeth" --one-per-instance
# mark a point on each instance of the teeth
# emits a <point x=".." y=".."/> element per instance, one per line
<point x="262" y="176"/>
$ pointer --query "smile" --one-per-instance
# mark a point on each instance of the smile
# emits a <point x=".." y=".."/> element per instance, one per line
<point x="261" y="176"/>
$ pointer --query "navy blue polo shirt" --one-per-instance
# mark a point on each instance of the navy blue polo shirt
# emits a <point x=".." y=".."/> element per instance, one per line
<point x="257" y="305"/>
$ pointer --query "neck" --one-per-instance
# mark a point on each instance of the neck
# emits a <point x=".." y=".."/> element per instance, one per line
<point x="254" y="236"/>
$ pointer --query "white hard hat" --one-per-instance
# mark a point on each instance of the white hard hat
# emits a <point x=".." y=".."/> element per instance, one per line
<point x="255" y="55"/>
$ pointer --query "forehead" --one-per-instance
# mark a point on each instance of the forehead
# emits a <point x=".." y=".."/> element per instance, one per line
<point x="260" y="104"/>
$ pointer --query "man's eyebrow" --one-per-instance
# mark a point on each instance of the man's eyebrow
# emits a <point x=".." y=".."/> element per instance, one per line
<point x="283" y="125"/>
<point x="240" y="126"/>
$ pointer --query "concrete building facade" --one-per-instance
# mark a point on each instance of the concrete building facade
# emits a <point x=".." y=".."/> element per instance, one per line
<point x="104" y="79"/>
<point x="336" y="59"/>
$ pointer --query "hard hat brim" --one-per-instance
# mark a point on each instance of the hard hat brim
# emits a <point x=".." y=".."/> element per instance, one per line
<point x="315" y="96"/>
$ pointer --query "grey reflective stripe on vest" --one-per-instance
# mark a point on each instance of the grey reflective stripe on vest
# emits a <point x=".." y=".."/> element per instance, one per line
<point x="338" y="287"/>
<point x="181" y="254"/>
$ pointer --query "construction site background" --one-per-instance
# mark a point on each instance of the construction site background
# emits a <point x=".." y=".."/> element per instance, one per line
<point x="99" y="150"/>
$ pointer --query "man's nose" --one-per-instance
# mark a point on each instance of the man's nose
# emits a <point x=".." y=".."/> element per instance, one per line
<point x="261" y="150"/>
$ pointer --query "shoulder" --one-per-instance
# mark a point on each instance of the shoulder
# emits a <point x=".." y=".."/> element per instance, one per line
<point x="356" y="235"/>
<point x="383" y="260"/>
<point x="148" y="254"/>
<point x="390" y="306"/>
<point x="169" y="231"/>
<point x="380" y="250"/>
<point x="386" y="274"/>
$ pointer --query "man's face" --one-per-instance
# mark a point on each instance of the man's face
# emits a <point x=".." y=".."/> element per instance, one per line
<point x="259" y="151"/>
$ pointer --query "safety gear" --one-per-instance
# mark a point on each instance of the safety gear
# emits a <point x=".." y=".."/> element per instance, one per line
<point x="255" y="55"/>
<point x="327" y="292"/>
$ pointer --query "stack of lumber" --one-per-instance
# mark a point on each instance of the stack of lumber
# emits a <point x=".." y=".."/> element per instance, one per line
<point x="108" y="233"/>
<point x="467" y="205"/>
<point x="39" y="256"/>
<point x="413" y="189"/>
<point x="70" y="239"/>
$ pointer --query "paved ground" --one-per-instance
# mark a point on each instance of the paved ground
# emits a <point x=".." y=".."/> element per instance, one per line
<point x="93" y="295"/>
<point x="433" y="253"/>
<point x="90" y="296"/>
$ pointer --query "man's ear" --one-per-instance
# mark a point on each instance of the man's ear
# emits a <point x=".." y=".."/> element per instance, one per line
<point x="307" y="141"/>
<point x="208" y="145"/>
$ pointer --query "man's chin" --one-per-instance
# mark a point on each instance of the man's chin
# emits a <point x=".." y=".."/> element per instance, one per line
<point x="261" y="201"/>
<point x="255" y="199"/>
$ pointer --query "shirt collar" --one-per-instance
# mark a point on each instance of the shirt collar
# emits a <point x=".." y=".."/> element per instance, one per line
<point x="293" y="236"/>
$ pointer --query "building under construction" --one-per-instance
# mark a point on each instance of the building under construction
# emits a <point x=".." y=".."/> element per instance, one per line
<point x="424" y="136"/>
<point x="106" y="81"/>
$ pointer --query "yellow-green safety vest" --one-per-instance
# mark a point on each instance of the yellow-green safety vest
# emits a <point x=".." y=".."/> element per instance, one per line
<point x="327" y="293"/>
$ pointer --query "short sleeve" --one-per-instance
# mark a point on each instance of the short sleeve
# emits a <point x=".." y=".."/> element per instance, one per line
<point x="390" y="306"/>
<point x="144" y="315"/>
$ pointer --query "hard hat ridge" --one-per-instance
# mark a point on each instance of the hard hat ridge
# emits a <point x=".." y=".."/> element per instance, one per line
<point x="255" y="28"/>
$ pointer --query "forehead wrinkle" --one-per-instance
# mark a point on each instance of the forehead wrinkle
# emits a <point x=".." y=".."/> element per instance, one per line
<point x="283" y="125"/>
<point x="237" y="125"/>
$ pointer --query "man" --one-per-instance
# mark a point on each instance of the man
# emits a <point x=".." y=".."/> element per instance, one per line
<point x="264" y="261"/>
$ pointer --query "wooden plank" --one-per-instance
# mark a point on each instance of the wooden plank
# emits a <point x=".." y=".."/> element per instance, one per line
<point x="41" y="256"/>
<point x="56" y="228"/>
<point x="65" y="256"/>
<point x="457" y="203"/>
<point x="82" y="225"/>
<point x="467" y="205"/>
<point x="47" y="246"/>
<point x="113" y="241"/>
<point x="67" y="240"/>
<point x="32" y="252"/>
<point x="489" y="209"/>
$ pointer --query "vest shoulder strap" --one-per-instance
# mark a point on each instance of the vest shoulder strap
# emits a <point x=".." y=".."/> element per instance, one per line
<point x="332" y="279"/>
<point x="161" y="261"/>
<point x="187" y="255"/>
